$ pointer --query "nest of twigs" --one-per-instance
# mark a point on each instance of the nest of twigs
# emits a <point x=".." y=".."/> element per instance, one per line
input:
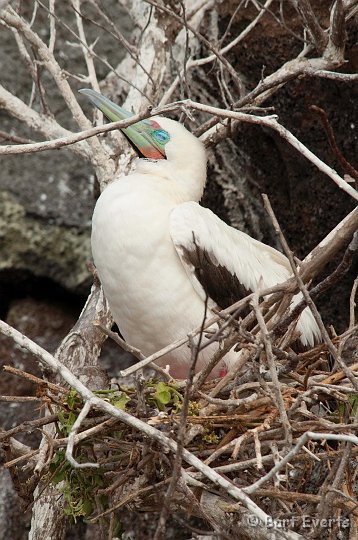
<point x="241" y="427"/>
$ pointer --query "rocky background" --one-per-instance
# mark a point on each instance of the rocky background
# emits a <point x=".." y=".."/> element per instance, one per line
<point x="46" y="199"/>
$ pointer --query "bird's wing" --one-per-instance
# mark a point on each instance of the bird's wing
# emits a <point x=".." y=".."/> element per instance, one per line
<point x="222" y="262"/>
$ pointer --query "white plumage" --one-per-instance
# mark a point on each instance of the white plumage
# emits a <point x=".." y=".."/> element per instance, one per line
<point x="143" y="231"/>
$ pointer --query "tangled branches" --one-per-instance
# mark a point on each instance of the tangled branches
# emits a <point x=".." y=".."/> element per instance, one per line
<point x="113" y="448"/>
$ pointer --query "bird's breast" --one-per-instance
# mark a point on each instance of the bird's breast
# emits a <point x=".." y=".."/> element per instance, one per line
<point x="148" y="290"/>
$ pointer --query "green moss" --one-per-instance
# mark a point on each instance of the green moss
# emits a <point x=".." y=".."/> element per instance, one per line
<point x="43" y="249"/>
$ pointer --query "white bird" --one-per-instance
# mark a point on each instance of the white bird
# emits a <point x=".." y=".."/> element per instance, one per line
<point x="148" y="232"/>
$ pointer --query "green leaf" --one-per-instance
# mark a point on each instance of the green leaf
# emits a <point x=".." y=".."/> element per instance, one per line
<point x="70" y="421"/>
<point x="163" y="394"/>
<point x="59" y="476"/>
<point x="118" y="530"/>
<point x="71" y="399"/>
<point x="61" y="417"/>
<point x="68" y="512"/>
<point x="87" y="507"/>
<point x="121" y="400"/>
<point x="58" y="457"/>
<point x="98" y="480"/>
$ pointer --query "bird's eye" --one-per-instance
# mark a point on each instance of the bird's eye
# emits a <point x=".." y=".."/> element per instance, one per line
<point x="161" y="136"/>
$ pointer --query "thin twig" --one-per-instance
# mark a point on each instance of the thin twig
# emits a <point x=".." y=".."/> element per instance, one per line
<point x="310" y="21"/>
<point x="332" y="141"/>
<point x="352" y="304"/>
<point x="56" y="388"/>
<point x="71" y="439"/>
<point x="300" y="282"/>
<point x="279" y="402"/>
<point x="301" y="442"/>
<point x="28" y="426"/>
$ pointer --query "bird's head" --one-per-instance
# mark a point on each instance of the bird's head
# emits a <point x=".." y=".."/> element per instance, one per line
<point x="159" y="138"/>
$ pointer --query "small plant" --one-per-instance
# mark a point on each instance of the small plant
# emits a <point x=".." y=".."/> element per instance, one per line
<point x="164" y="395"/>
<point x="78" y="486"/>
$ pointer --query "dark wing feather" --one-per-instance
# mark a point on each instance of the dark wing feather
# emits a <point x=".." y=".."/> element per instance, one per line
<point x="227" y="264"/>
<point x="223" y="287"/>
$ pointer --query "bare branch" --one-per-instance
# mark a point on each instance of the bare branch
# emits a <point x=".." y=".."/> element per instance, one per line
<point x="192" y="64"/>
<point x="105" y="166"/>
<point x="337" y="34"/>
<point x="301" y="285"/>
<point x="76" y="4"/>
<point x="49" y="127"/>
<point x="301" y="442"/>
<point x="206" y="42"/>
<point x="71" y="439"/>
<point x="70" y="139"/>
<point x="52" y="41"/>
<point x="310" y="21"/>
<point x="279" y="402"/>
<point x="332" y="141"/>
<point x="352" y="304"/>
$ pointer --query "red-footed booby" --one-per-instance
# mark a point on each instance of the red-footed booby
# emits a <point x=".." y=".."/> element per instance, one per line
<point x="148" y="232"/>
